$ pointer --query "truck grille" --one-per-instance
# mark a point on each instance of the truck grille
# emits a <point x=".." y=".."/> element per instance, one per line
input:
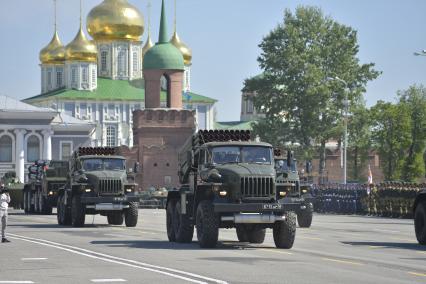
<point x="110" y="186"/>
<point x="257" y="186"/>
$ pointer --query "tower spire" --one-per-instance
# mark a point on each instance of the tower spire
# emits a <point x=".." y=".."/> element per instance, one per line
<point x="175" y="21"/>
<point x="54" y="7"/>
<point x="163" y="25"/>
<point x="149" y="17"/>
<point x="81" y="22"/>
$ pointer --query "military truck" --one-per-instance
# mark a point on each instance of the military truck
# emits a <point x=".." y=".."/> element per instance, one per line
<point x="289" y="185"/>
<point x="98" y="183"/>
<point x="419" y="210"/>
<point x="44" y="180"/>
<point x="228" y="181"/>
<point x="14" y="187"/>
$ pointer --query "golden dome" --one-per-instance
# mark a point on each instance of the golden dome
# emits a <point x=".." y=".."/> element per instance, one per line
<point x="183" y="48"/>
<point x="54" y="52"/>
<point x="115" y="20"/>
<point x="147" y="45"/>
<point x="81" y="49"/>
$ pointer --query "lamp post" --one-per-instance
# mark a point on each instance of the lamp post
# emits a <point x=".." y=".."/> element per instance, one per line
<point x="421" y="53"/>
<point x="345" y="123"/>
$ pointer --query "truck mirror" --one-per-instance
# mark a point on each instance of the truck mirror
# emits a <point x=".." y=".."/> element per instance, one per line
<point x="289" y="158"/>
<point x="136" y="167"/>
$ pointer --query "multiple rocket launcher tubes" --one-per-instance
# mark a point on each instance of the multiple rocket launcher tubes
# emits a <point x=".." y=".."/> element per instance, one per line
<point x="206" y="136"/>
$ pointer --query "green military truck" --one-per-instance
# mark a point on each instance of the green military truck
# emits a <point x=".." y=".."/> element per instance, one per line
<point x="228" y="181"/>
<point x="98" y="183"/>
<point x="44" y="180"/>
<point x="289" y="185"/>
<point x="419" y="210"/>
<point x="14" y="188"/>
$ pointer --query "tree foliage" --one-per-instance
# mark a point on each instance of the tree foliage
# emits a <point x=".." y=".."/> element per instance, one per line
<point x="298" y="57"/>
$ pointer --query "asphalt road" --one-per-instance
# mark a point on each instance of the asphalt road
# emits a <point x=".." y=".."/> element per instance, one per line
<point x="336" y="249"/>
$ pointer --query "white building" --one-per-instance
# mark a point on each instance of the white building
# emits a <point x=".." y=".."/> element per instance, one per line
<point x="29" y="133"/>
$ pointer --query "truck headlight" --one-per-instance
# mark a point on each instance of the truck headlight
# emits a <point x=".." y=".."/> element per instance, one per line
<point x="87" y="189"/>
<point x="129" y="188"/>
<point x="223" y="193"/>
<point x="283" y="193"/>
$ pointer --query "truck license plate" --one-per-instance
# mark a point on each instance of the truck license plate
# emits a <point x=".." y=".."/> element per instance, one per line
<point x="272" y="206"/>
<point x="118" y="199"/>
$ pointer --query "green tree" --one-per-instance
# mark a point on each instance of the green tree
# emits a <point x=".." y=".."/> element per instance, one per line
<point x="391" y="136"/>
<point x="413" y="101"/>
<point x="359" y="141"/>
<point x="298" y="57"/>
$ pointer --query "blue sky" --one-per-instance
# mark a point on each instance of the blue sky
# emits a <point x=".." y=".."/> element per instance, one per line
<point x="224" y="35"/>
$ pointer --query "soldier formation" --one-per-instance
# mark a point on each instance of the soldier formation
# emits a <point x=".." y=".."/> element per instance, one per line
<point x="386" y="199"/>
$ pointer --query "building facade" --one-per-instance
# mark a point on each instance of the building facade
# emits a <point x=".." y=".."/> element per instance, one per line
<point x="29" y="133"/>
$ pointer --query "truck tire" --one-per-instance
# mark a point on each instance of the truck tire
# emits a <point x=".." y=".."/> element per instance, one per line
<point x="420" y="222"/>
<point x="63" y="214"/>
<point x="256" y="236"/>
<point x="207" y="225"/>
<point x="170" y="209"/>
<point x="131" y="214"/>
<point x="115" y="218"/>
<point x="304" y="217"/>
<point x="184" y="230"/>
<point x="285" y="231"/>
<point x="78" y="213"/>
<point x="47" y="207"/>
<point x="241" y="233"/>
<point x="41" y="203"/>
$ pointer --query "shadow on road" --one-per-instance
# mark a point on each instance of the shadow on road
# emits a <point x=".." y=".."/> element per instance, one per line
<point x="41" y="226"/>
<point x="154" y="244"/>
<point x="391" y="245"/>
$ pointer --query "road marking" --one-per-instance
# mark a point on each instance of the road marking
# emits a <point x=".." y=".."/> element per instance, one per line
<point x="422" y="251"/>
<point x="342" y="261"/>
<point x="16" y="282"/>
<point x="386" y="231"/>
<point x="276" y="251"/>
<point x="417" y="274"/>
<point x="310" y="238"/>
<point x="126" y="262"/>
<point x="34" y="258"/>
<point x="376" y="247"/>
<point x="107" y="280"/>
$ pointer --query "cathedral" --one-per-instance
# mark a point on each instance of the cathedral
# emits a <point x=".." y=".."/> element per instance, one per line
<point x="100" y="80"/>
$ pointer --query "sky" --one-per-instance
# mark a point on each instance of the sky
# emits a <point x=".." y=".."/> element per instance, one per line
<point x="224" y="37"/>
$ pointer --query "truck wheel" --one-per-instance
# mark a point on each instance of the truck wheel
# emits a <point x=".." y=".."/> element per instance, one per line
<point x="420" y="222"/>
<point x="242" y="233"/>
<point x="116" y="218"/>
<point x="184" y="230"/>
<point x="47" y="207"/>
<point x="77" y="212"/>
<point x="170" y="209"/>
<point x="256" y="236"/>
<point x="41" y="203"/>
<point x="304" y="217"/>
<point x="131" y="214"/>
<point x="285" y="231"/>
<point x="207" y="225"/>
<point x="63" y="214"/>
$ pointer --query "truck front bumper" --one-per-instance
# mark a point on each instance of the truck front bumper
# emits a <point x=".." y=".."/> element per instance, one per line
<point x="283" y="205"/>
<point x="109" y="199"/>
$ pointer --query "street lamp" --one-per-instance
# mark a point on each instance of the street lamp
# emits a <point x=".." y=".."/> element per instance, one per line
<point x="422" y="53"/>
<point x="345" y="121"/>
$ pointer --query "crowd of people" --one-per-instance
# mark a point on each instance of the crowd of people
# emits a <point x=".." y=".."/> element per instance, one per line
<point x="387" y="199"/>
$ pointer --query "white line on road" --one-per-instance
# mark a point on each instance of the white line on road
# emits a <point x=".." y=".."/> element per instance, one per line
<point x="33" y="258"/>
<point x="127" y="262"/>
<point x="107" y="280"/>
<point x="16" y="282"/>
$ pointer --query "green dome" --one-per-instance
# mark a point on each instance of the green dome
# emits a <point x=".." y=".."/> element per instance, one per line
<point x="163" y="56"/>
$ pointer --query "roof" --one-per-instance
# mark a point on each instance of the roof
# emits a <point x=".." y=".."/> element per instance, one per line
<point x="11" y="108"/>
<point x="234" y="125"/>
<point x="113" y="90"/>
<point x="66" y="122"/>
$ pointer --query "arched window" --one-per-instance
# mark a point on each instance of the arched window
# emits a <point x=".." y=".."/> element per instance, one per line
<point x="121" y="62"/>
<point x="33" y="149"/>
<point x="84" y="74"/>
<point x="59" y="79"/>
<point x="5" y="149"/>
<point x="165" y="86"/>
<point x="111" y="136"/>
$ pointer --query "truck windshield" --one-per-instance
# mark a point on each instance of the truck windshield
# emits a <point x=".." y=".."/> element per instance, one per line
<point x="281" y="165"/>
<point x="246" y="154"/>
<point x="90" y="165"/>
